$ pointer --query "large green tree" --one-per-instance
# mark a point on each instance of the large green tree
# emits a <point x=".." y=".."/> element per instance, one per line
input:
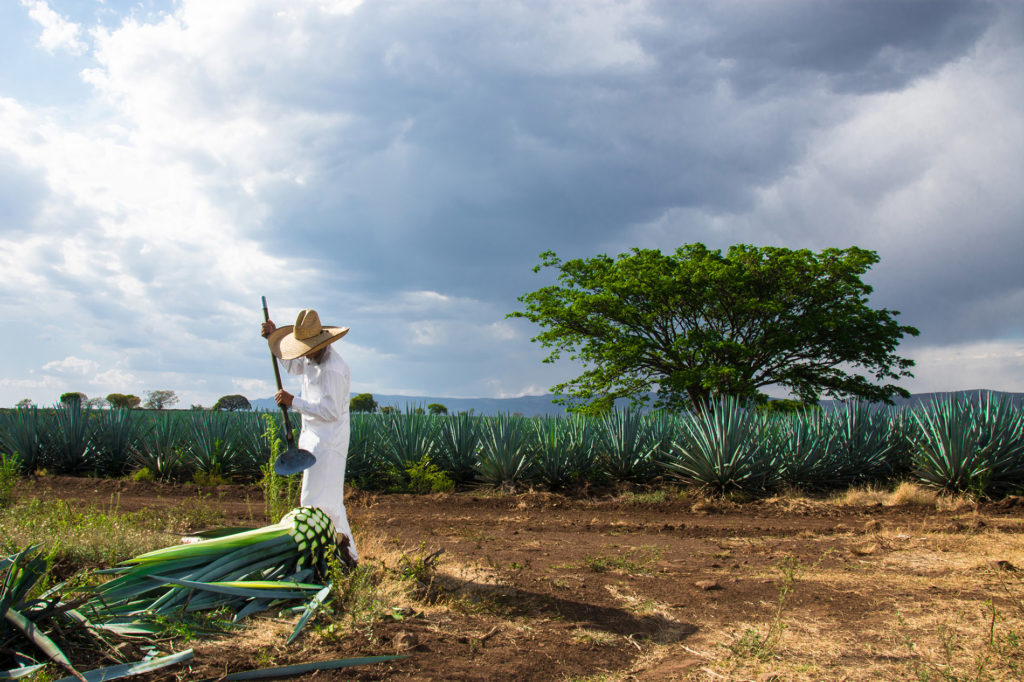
<point x="696" y="323"/>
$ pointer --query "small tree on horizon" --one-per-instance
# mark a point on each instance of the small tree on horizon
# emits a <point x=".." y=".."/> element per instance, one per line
<point x="25" y="402"/>
<point x="437" y="408"/>
<point x="73" y="398"/>
<point x="232" y="403"/>
<point x="123" y="401"/>
<point x="160" y="399"/>
<point x="363" y="402"/>
<point x="96" y="403"/>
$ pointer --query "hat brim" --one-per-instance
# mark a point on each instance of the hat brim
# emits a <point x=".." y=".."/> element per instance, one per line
<point x="284" y="345"/>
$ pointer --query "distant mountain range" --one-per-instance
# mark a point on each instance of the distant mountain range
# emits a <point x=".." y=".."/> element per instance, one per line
<point x="541" y="405"/>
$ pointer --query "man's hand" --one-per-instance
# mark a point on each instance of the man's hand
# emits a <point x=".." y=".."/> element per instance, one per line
<point x="283" y="397"/>
<point x="267" y="329"/>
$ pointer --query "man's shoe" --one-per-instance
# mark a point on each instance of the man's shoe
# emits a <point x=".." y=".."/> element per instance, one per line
<point x="345" y="553"/>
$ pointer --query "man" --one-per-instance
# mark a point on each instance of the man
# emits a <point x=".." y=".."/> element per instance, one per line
<point x="305" y="350"/>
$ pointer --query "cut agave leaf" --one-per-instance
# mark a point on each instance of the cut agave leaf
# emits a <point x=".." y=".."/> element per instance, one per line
<point x="24" y="671"/>
<point x="219" y="532"/>
<point x="287" y="670"/>
<point x="41" y="640"/>
<point x="311" y="608"/>
<point x="241" y="588"/>
<point x="115" y="672"/>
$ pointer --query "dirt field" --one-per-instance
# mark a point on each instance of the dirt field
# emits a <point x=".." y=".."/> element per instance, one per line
<point x="654" y="587"/>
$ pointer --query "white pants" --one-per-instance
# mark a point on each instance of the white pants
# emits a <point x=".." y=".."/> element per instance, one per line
<point x="323" y="486"/>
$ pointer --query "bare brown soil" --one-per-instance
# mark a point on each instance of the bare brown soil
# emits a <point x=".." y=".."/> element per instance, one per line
<point x="547" y="587"/>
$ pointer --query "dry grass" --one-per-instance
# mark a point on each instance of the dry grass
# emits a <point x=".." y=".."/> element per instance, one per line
<point x="905" y="494"/>
<point x="944" y="606"/>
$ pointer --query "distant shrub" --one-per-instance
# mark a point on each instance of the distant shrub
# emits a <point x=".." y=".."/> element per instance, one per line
<point x="142" y="475"/>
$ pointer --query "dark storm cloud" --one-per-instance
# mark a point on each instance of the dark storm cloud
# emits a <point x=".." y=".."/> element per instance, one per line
<point x="860" y="47"/>
<point x="462" y="160"/>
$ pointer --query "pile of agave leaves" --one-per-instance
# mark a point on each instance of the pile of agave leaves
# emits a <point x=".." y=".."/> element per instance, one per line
<point x="282" y="567"/>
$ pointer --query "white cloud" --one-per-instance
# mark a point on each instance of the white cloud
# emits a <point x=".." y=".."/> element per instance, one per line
<point x="256" y="388"/>
<point x="117" y="381"/>
<point x="32" y="383"/>
<point x="70" y="365"/>
<point x="993" y="365"/>
<point x="58" y="32"/>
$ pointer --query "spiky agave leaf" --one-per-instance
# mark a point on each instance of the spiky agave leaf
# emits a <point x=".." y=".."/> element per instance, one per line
<point x="21" y="572"/>
<point x="244" y="571"/>
<point x="115" y="672"/>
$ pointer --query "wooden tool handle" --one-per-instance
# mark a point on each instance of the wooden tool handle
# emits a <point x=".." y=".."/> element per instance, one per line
<point x="277" y="377"/>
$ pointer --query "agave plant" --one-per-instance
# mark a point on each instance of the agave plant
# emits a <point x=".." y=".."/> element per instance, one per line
<point x="581" y="442"/>
<point x="366" y="463"/>
<point x="160" y="447"/>
<point x="39" y="624"/>
<point x="408" y="438"/>
<point x="805" y="446"/>
<point x="246" y="572"/>
<point x="458" y="442"/>
<point x="723" y="448"/>
<point x="300" y="544"/>
<point x="69" y="443"/>
<point x="506" y="453"/>
<point x="968" y="446"/>
<point x="628" y="447"/>
<point x="115" y="439"/>
<point x="25" y="432"/>
<point x="252" y="446"/>
<point x="1002" y="437"/>
<point x="866" y="445"/>
<point x="553" y="461"/>
<point x="213" y="442"/>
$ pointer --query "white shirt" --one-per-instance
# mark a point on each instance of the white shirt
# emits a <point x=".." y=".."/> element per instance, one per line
<point x="324" y="409"/>
<point x="323" y="402"/>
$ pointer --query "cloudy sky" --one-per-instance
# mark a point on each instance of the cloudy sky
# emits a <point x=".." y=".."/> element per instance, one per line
<point x="400" y="165"/>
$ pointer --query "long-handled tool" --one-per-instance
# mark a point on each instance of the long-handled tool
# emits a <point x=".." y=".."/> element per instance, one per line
<point x="293" y="460"/>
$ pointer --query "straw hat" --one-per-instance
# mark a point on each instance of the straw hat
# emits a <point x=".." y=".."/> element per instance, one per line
<point x="306" y="336"/>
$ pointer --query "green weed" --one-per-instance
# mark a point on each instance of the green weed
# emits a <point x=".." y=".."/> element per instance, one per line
<point x="210" y="479"/>
<point x="636" y="560"/>
<point x="280" y="493"/>
<point x="752" y="643"/>
<point x="10" y="474"/>
<point x="425" y="477"/>
<point x="143" y="475"/>
<point x="652" y="497"/>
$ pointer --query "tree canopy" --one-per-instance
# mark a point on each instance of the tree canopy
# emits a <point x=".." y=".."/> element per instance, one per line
<point x="122" y="401"/>
<point x="231" y="403"/>
<point x="161" y="399"/>
<point x="73" y="397"/>
<point x="363" y="402"/>
<point x="437" y="408"/>
<point x="695" y="324"/>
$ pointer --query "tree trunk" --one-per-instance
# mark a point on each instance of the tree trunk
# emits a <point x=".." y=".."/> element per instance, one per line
<point x="699" y="397"/>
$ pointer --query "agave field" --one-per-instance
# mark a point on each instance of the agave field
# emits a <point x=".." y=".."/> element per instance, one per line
<point x="974" y="445"/>
<point x="860" y="543"/>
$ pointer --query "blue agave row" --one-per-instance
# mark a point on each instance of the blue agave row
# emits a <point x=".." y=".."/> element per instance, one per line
<point x="960" y="445"/>
<point x="70" y="439"/>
